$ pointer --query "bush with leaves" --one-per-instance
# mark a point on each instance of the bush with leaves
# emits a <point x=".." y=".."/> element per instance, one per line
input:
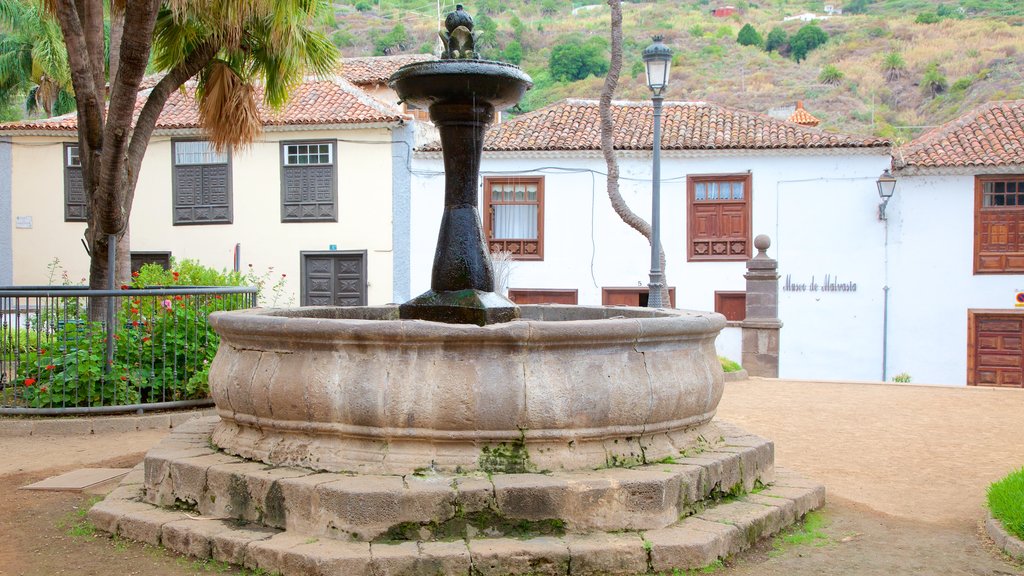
<point x="806" y="39"/>
<point x="857" y="7"/>
<point x="776" y="40"/>
<point x="893" y="65"/>
<point x="513" y="53"/>
<point x="927" y="18"/>
<point x="830" y="74"/>
<point x="576" y="59"/>
<point x="933" y="82"/>
<point x="749" y="36"/>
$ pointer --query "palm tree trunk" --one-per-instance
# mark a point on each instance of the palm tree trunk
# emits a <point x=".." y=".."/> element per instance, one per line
<point x="611" y="81"/>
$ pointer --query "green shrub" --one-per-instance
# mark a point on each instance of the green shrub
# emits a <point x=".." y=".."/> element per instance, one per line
<point x="927" y="18"/>
<point x="513" y="53"/>
<point x="712" y="51"/>
<point x="748" y="36"/>
<point x="776" y="39"/>
<point x="364" y="6"/>
<point x="576" y="59"/>
<point x="902" y="378"/>
<point x="729" y="365"/>
<point x="1006" y="501"/>
<point x="697" y="31"/>
<point x="724" y="31"/>
<point x="806" y="39"/>
<point x="893" y="65"/>
<point x="830" y="74"/>
<point x="961" y="85"/>
<point x="934" y="82"/>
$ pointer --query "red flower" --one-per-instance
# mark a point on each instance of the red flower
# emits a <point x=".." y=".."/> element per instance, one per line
<point x="135" y="310"/>
<point x="30" y="381"/>
<point x="135" y="274"/>
<point x="135" y="323"/>
<point x="124" y="286"/>
<point x="42" y="350"/>
<point x="117" y="337"/>
<point x="217" y="296"/>
<point x="175" y="275"/>
<point x="50" y="366"/>
<point x="145" y="338"/>
<point x="42" y="388"/>
<point x="178" y="297"/>
<point x="123" y="378"/>
<point x="136" y="301"/>
<point x="284" y="275"/>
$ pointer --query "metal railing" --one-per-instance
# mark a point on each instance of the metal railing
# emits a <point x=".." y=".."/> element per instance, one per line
<point x="72" y="350"/>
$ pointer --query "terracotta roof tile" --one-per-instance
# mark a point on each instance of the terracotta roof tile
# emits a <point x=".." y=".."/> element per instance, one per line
<point x="575" y="125"/>
<point x="377" y="69"/>
<point x="315" y="102"/>
<point x="990" y="135"/>
<point x="803" y="117"/>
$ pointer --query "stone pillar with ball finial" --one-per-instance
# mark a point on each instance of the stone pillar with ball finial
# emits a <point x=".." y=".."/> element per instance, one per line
<point x="761" y="326"/>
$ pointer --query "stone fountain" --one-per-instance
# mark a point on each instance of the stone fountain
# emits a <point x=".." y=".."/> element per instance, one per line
<point x="458" y="433"/>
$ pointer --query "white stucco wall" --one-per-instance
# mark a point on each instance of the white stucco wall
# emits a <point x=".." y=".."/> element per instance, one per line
<point x="931" y="267"/>
<point x="819" y="209"/>
<point x="364" y="159"/>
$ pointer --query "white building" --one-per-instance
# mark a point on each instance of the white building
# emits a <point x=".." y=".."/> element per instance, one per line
<point x="727" y="175"/>
<point x="956" y="251"/>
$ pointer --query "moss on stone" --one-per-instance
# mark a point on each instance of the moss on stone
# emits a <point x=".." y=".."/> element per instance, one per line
<point x="463" y="526"/>
<point x="506" y="457"/>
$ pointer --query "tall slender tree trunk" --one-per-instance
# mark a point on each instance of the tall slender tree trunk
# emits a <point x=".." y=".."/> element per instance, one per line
<point x="611" y="81"/>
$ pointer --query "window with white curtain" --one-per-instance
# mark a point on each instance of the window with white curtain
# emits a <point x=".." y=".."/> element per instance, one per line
<point x="514" y="216"/>
<point x="201" y="184"/>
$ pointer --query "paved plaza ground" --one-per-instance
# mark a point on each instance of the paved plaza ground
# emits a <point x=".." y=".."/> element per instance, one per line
<point x="906" y="469"/>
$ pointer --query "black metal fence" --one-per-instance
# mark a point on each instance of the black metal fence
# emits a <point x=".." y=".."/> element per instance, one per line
<point x="71" y="350"/>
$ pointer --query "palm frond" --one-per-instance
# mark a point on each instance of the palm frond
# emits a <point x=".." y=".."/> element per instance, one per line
<point x="227" y="107"/>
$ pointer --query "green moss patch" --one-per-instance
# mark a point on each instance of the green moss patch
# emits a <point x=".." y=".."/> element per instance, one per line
<point x="473" y="524"/>
<point x="1006" y="502"/>
<point x="729" y="365"/>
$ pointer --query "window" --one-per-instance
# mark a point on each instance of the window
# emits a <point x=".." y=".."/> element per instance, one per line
<point x="719" y="217"/>
<point x="999" y="225"/>
<point x="309" y="182"/>
<point x="76" y="208"/>
<point x="202" y="184"/>
<point x="514" y="216"/>
<point x="140" y="259"/>
<point x="732" y="305"/>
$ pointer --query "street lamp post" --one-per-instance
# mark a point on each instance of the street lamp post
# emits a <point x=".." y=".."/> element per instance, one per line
<point x="658" y="59"/>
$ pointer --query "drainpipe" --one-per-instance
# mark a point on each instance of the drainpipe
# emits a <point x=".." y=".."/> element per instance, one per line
<point x="885" y="331"/>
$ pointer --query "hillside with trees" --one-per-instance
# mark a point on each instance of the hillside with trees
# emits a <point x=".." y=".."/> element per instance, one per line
<point x="886" y="67"/>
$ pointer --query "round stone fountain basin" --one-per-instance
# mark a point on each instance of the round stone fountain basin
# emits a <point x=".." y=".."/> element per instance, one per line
<point x="463" y="81"/>
<point x="565" y="388"/>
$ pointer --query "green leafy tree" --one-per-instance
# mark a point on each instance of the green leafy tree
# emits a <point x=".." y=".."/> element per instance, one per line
<point x="777" y="39"/>
<point x="227" y="45"/>
<point x="518" y="28"/>
<point x="830" y="74"/>
<point x="33" y="59"/>
<point x="934" y="82"/>
<point x="806" y="39"/>
<point x="749" y="36"/>
<point x="575" y="59"/>
<point x="396" y="40"/>
<point x="857" y="7"/>
<point x="513" y="53"/>
<point x="487" y="31"/>
<point x="893" y="65"/>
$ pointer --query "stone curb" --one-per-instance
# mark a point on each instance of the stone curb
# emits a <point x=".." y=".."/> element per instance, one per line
<point x="1008" y="543"/>
<point x="64" y="426"/>
<point x="737" y="376"/>
<point x="186" y="469"/>
<point x="718" y="532"/>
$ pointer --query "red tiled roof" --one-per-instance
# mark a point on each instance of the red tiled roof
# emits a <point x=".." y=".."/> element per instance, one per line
<point x="576" y="125"/>
<point x="802" y="116"/>
<point x="377" y="69"/>
<point x="315" y="102"/>
<point x="990" y="135"/>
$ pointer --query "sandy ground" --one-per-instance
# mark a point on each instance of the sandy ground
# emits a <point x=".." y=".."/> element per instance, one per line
<point x="906" y="469"/>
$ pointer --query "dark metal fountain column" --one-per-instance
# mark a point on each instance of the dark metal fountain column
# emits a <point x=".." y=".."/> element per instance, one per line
<point x="462" y="94"/>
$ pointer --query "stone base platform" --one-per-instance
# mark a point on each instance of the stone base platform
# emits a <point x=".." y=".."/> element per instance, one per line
<point x="683" y="512"/>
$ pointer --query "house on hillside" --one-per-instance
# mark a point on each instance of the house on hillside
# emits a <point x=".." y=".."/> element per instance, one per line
<point x="727" y="176"/>
<point x="956" y="251"/>
<point x="322" y="196"/>
<point x="723" y="11"/>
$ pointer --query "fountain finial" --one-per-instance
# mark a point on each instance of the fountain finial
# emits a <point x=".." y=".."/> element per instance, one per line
<point x="458" y="37"/>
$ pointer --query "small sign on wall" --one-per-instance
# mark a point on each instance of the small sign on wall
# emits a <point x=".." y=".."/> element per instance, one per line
<point x="22" y="221"/>
<point x="1020" y="300"/>
<point x="831" y="283"/>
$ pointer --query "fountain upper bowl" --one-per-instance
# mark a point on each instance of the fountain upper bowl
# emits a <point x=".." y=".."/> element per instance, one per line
<point x="453" y="81"/>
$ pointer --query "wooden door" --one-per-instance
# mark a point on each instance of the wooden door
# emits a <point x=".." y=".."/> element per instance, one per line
<point x="531" y="296"/>
<point x="631" y="297"/>
<point x="334" y="278"/>
<point x="995" y="355"/>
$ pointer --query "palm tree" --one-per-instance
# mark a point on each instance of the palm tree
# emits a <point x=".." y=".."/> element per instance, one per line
<point x="893" y="65"/>
<point x="33" y="60"/>
<point x="229" y="46"/>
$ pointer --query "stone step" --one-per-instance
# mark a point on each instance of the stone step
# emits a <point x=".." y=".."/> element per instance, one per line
<point x="719" y="530"/>
<point x="185" y="470"/>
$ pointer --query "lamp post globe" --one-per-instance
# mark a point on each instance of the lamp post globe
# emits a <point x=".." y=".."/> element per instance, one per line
<point x="658" y="60"/>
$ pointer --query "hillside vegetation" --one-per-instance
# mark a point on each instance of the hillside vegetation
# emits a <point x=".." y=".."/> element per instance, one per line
<point x="889" y="68"/>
